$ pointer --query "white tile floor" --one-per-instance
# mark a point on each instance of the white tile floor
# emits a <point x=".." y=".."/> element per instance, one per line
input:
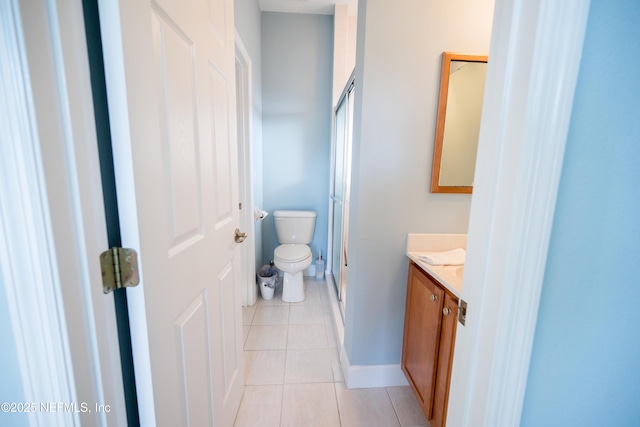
<point x="293" y="375"/>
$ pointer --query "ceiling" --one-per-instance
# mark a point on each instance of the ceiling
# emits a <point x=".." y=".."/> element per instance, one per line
<point x="318" y="7"/>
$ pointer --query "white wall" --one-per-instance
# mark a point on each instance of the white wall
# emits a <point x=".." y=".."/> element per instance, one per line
<point x="344" y="47"/>
<point x="297" y="68"/>
<point x="397" y="76"/>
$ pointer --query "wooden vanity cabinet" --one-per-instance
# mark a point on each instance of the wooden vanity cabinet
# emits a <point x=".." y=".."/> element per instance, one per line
<point x="429" y="337"/>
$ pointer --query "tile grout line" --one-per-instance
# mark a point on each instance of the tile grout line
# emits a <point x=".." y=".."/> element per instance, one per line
<point x="335" y="394"/>
<point x="327" y="347"/>
<point x="284" y="370"/>
<point x="286" y="352"/>
<point x="395" y="411"/>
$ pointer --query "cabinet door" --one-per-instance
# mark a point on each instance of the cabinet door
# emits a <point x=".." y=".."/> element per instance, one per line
<point x="445" y="360"/>
<point x="421" y="336"/>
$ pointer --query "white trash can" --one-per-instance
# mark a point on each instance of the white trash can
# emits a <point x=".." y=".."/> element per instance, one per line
<point x="267" y="280"/>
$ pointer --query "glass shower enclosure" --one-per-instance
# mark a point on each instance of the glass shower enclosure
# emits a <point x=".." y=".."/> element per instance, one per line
<point x="341" y="166"/>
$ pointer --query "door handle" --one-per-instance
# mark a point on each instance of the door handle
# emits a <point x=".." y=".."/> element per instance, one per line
<point x="240" y="236"/>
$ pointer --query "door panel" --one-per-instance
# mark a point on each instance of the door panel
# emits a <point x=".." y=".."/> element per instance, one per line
<point x="225" y="308"/>
<point x="178" y="202"/>
<point x="422" y="336"/>
<point x="220" y="108"/>
<point x="217" y="14"/>
<point x="174" y="63"/>
<point x="191" y="328"/>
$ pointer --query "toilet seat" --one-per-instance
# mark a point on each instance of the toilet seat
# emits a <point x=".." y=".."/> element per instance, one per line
<point x="290" y="253"/>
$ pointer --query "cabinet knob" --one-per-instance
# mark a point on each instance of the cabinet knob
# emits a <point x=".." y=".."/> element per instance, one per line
<point x="433" y="297"/>
<point x="446" y="311"/>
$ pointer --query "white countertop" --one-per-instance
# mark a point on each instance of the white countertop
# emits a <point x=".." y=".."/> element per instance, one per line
<point x="449" y="276"/>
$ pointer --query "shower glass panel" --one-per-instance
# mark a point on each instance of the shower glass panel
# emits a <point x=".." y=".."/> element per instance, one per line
<point x="340" y="191"/>
<point x="337" y="196"/>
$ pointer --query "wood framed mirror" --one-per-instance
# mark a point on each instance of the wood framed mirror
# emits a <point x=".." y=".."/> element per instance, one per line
<point x="455" y="147"/>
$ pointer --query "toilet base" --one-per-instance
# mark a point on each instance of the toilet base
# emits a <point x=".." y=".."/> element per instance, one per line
<point x="293" y="287"/>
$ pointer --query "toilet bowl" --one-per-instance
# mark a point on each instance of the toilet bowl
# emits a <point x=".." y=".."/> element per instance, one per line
<point x="292" y="259"/>
<point x="294" y="230"/>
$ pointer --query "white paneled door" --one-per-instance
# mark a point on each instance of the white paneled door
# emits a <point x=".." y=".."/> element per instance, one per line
<point x="171" y="85"/>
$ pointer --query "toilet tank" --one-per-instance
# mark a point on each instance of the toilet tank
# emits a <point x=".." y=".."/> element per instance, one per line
<point x="295" y="226"/>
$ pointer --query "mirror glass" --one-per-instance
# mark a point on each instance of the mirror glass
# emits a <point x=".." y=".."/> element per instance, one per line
<point x="462" y="80"/>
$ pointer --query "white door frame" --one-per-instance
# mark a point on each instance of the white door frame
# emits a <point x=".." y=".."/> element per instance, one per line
<point x="53" y="226"/>
<point x="244" y="102"/>
<point x="534" y="60"/>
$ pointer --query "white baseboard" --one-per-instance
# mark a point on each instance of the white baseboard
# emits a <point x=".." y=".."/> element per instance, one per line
<point x="361" y="376"/>
<point x="366" y="376"/>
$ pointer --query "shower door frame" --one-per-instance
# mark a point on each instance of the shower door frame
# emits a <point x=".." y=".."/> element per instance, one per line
<point x="346" y="98"/>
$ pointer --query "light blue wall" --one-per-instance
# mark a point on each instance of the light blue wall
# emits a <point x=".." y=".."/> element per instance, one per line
<point x="585" y="366"/>
<point x="10" y="379"/>
<point x="297" y="52"/>
<point x="398" y="60"/>
<point x="248" y="21"/>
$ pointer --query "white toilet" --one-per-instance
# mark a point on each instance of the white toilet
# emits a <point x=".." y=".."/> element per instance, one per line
<point x="294" y="230"/>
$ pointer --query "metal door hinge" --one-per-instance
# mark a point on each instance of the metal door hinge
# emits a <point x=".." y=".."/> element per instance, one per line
<point x="462" y="312"/>
<point x="119" y="269"/>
